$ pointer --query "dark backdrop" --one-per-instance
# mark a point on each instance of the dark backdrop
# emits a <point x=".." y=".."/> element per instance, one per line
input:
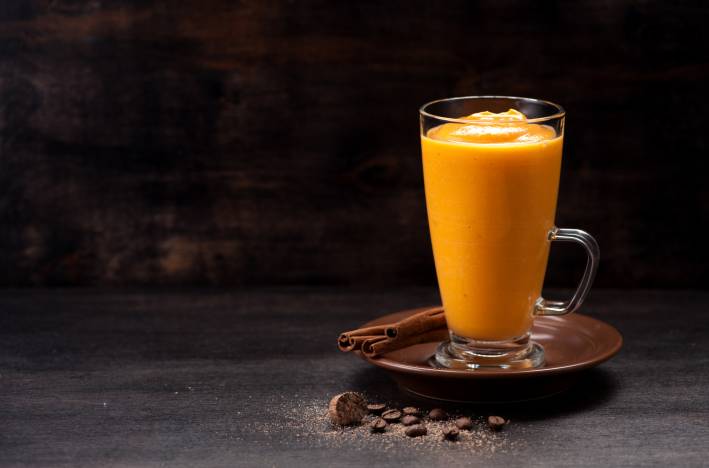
<point x="265" y="142"/>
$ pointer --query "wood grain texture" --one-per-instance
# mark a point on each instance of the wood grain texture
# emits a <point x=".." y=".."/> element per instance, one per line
<point x="259" y="142"/>
<point x="209" y="378"/>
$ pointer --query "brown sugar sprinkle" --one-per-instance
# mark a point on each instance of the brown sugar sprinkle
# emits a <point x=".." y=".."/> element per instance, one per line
<point x="309" y="421"/>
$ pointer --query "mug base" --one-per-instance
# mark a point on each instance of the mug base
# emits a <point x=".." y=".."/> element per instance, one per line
<point x="462" y="353"/>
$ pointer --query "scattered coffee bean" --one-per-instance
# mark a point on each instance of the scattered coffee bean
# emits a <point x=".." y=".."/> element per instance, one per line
<point x="450" y="433"/>
<point x="496" y="422"/>
<point x="410" y="410"/>
<point x="410" y="420"/>
<point x="391" y="415"/>
<point x="378" y="425"/>
<point x="347" y="408"/>
<point x="376" y="408"/>
<point x="416" y="431"/>
<point x="464" y="423"/>
<point x="437" y="414"/>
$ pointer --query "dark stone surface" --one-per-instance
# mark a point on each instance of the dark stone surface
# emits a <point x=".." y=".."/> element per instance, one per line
<point x="209" y="378"/>
<point x="258" y="142"/>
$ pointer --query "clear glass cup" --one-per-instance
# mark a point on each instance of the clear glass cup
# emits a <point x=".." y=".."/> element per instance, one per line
<point x="491" y="194"/>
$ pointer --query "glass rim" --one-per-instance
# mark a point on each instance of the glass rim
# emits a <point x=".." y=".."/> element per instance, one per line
<point x="560" y="112"/>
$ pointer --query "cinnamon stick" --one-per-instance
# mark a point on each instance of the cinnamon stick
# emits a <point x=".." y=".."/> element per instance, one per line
<point x="372" y="348"/>
<point x="367" y="345"/>
<point x="343" y="342"/>
<point x="356" y="341"/>
<point x="421" y="322"/>
<point x="424" y="326"/>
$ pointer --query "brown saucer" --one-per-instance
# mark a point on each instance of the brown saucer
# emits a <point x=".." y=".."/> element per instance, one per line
<point x="571" y="343"/>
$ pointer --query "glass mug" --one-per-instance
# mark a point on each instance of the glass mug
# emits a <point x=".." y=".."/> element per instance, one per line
<point x="491" y="183"/>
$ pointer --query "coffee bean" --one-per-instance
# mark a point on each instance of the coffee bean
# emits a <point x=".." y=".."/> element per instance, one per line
<point x="376" y="408"/>
<point x="347" y="408"/>
<point x="410" y="410"/>
<point x="378" y="425"/>
<point x="416" y="431"/>
<point x="496" y="422"/>
<point x="464" y="423"/>
<point x="391" y="415"/>
<point x="410" y="420"/>
<point x="450" y="433"/>
<point x="437" y="414"/>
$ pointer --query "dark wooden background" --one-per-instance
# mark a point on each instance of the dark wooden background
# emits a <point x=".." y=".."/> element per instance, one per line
<point x="275" y="142"/>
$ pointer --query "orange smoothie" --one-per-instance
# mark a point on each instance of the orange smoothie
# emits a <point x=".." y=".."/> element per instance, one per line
<point x="491" y="188"/>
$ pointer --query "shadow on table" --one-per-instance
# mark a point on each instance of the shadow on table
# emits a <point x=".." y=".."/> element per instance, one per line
<point x="593" y="388"/>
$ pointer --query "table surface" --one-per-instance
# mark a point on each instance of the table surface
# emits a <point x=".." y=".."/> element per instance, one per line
<point x="242" y="378"/>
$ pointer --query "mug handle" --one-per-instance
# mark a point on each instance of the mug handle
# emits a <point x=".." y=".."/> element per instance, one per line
<point x="544" y="307"/>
